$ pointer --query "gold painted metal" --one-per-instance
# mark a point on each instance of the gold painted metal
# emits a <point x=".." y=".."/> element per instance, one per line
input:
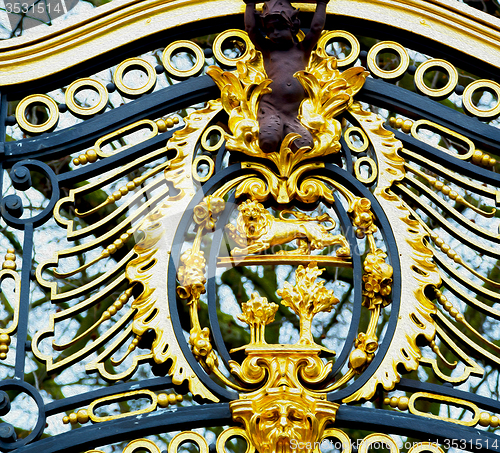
<point x="234" y="34"/>
<point x="356" y="130"/>
<point x="442" y="130"/>
<point x="329" y="93"/>
<point x="195" y="49"/>
<point x="144" y="393"/>
<point x="257" y="230"/>
<point x="141" y="444"/>
<point x="417" y="269"/>
<point x="9" y="271"/>
<point x="211" y="166"/>
<point x="188" y="436"/>
<point x="425" y="446"/>
<point x="481" y="85"/>
<point x="146" y="264"/>
<point x="328" y="36"/>
<point x="436" y="63"/>
<point x="252" y="260"/>
<point x="81" y="84"/>
<point x="53" y="113"/>
<point x="448" y="191"/>
<point x="23" y="59"/>
<point x="287" y="404"/>
<point x="207" y="133"/>
<point x="404" y="60"/>
<point x="116" y="134"/>
<point x="229" y="433"/>
<point x="373" y="169"/>
<point x="134" y="63"/>
<point x="445" y="400"/>
<point x="377" y="438"/>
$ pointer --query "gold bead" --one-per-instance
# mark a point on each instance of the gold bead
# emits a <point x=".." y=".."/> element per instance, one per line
<point x="111" y="248"/>
<point x="130" y="185"/>
<point x="124" y="237"/>
<point x="179" y="398"/>
<point x="176" y="120"/>
<point x="163" y="400"/>
<point x="83" y="159"/>
<point x="439" y="185"/>
<point x="123" y="190"/>
<point x="439" y="242"/>
<point x="399" y="122"/>
<point x="5" y="338"/>
<point x="392" y="121"/>
<point x="394" y="401"/>
<point x="485" y="160"/>
<point x="445" y="248"/>
<point x="172" y="398"/>
<point x="403" y="403"/>
<point x="494" y="421"/>
<point x="162" y="126"/>
<point x="492" y="162"/>
<point x="112" y="310"/>
<point x="118" y="243"/>
<point x="170" y="122"/>
<point x="65" y="419"/>
<point x="446" y="190"/>
<point x="76" y="161"/>
<point x="73" y="418"/>
<point x="82" y="416"/>
<point x="453" y="195"/>
<point x="459" y="317"/>
<point x="484" y="419"/>
<point x="117" y="195"/>
<point x="477" y="156"/>
<point x="106" y="315"/>
<point x="105" y="253"/>
<point x="3" y="356"/>
<point x="91" y="155"/>
<point x="453" y="312"/>
<point x="448" y="305"/>
<point x="407" y="124"/>
<point x="4" y="348"/>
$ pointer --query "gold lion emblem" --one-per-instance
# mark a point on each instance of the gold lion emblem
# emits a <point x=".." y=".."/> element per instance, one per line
<point x="257" y="230"/>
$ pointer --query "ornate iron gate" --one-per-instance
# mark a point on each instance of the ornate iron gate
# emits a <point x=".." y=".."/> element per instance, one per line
<point x="163" y="274"/>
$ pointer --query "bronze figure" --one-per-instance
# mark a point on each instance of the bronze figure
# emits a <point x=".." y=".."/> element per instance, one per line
<point x="284" y="55"/>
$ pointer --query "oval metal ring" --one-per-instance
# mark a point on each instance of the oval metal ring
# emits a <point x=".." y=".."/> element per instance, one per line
<point x="467" y="98"/>
<point x="436" y="92"/>
<point x="143" y="444"/>
<point x="373" y="167"/>
<point x="140" y="63"/>
<point x="227" y="434"/>
<point x="394" y="73"/>
<point x="378" y="439"/>
<point x="221" y="37"/>
<point x="361" y="132"/>
<point x="37" y="99"/>
<point x="425" y="446"/>
<point x="211" y="166"/>
<point x="83" y="83"/>
<point x="188" y="436"/>
<point x="182" y="44"/>
<point x="350" y="38"/>
<point x="204" y="138"/>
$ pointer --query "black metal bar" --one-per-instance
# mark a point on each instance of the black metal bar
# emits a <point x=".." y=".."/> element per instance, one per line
<point x="24" y="302"/>
<point x="409" y="385"/>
